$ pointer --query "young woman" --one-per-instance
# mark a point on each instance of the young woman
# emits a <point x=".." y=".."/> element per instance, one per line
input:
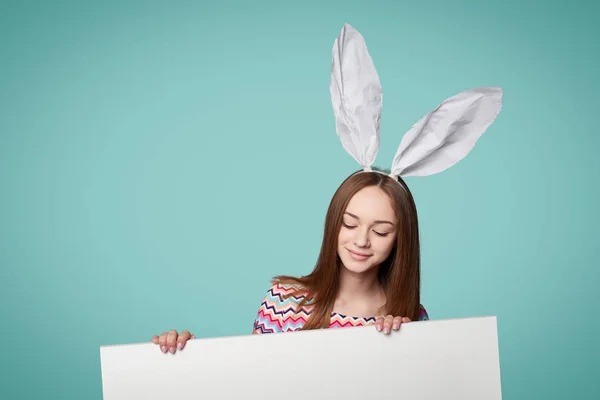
<point x="368" y="270"/>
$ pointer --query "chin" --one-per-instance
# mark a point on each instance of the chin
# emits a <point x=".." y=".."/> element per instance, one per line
<point x="356" y="266"/>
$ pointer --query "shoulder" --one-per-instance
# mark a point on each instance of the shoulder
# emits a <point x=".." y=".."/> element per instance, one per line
<point x="423" y="316"/>
<point x="284" y="294"/>
<point x="280" y="310"/>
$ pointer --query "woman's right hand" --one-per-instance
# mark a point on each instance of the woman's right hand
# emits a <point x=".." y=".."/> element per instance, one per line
<point x="172" y="341"/>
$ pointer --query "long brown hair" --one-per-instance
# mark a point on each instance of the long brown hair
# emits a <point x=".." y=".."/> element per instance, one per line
<point x="399" y="274"/>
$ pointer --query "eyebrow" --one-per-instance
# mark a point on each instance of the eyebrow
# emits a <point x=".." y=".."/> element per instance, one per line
<point x="377" y="222"/>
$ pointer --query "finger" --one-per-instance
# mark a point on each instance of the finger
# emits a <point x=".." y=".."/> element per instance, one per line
<point x="379" y="322"/>
<point x="172" y="340"/>
<point x="397" y="321"/>
<point x="387" y="324"/>
<point x="184" y="336"/>
<point x="162" y="342"/>
<point x="405" y="320"/>
<point x="155" y="339"/>
<point x="193" y="337"/>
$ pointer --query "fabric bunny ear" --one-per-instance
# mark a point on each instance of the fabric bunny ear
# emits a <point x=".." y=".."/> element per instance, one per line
<point x="356" y="96"/>
<point x="447" y="134"/>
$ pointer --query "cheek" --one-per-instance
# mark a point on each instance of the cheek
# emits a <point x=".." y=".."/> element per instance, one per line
<point x="344" y="237"/>
<point x="385" y="246"/>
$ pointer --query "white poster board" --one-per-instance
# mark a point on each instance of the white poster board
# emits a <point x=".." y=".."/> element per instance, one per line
<point x="455" y="359"/>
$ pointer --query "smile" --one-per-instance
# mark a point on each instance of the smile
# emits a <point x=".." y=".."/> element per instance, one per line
<point x="358" y="256"/>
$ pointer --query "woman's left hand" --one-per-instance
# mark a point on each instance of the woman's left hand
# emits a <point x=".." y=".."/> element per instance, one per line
<point x="388" y="323"/>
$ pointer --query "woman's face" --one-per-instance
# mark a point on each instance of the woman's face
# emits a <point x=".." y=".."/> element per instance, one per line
<point x="368" y="231"/>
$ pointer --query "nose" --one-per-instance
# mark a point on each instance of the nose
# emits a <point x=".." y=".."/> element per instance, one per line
<point x="361" y="239"/>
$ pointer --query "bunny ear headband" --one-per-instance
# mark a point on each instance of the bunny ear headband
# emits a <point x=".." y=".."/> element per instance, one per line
<point x="435" y="143"/>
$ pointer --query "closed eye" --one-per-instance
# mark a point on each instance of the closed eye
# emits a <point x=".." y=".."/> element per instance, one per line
<point x="353" y="227"/>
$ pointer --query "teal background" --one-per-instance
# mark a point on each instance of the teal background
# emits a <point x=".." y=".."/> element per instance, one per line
<point x="161" y="161"/>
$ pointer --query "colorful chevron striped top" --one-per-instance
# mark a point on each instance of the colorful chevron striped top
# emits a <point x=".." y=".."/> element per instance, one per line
<point x="279" y="314"/>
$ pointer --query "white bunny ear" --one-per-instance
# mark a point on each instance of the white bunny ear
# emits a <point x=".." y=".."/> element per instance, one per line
<point x="356" y="96"/>
<point x="447" y="134"/>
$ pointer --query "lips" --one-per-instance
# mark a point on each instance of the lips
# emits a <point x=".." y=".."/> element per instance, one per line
<point x="358" y="256"/>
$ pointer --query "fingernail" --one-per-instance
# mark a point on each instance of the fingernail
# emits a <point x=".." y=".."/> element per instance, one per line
<point x="387" y="330"/>
<point x="379" y="328"/>
<point x="164" y="349"/>
<point x="179" y="346"/>
<point x="395" y="326"/>
<point x="172" y="350"/>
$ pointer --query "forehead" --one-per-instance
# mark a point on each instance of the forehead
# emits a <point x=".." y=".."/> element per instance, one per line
<point x="371" y="203"/>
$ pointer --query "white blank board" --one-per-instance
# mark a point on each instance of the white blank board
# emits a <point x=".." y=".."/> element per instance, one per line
<point x="454" y="359"/>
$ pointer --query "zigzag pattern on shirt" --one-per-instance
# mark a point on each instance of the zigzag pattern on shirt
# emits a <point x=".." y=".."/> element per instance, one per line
<point x="280" y="312"/>
<point x="342" y="321"/>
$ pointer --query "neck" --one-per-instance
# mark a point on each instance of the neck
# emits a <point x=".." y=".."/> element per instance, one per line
<point x="359" y="286"/>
